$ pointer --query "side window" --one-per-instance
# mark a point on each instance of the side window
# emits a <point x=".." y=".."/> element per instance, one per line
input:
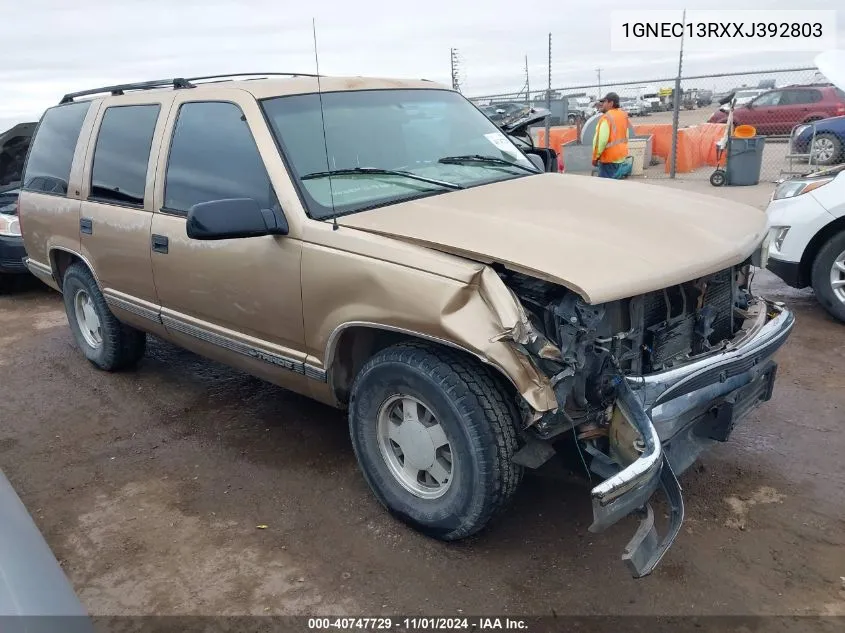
<point x="769" y="99"/>
<point x="213" y="156"/>
<point x="122" y="153"/>
<point x="800" y="97"/>
<point x="51" y="153"/>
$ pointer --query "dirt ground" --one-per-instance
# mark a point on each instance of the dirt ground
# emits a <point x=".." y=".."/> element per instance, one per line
<point x="149" y="486"/>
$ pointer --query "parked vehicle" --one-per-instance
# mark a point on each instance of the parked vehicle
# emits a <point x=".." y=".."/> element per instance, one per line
<point x="778" y="111"/>
<point x="35" y="594"/>
<point x="742" y="97"/>
<point x="827" y="138"/>
<point x="582" y="107"/>
<point x="807" y="216"/>
<point x="13" y="146"/>
<point x="704" y="98"/>
<point x="519" y="133"/>
<point x="635" y="107"/>
<point x="504" y="111"/>
<point x="381" y="246"/>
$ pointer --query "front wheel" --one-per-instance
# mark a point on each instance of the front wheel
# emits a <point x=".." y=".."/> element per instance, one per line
<point x="828" y="276"/>
<point x="827" y="149"/>
<point x="434" y="435"/>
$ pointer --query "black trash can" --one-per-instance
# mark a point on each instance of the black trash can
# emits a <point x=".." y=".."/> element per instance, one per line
<point x="745" y="160"/>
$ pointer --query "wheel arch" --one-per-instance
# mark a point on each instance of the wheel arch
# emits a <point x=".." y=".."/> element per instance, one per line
<point x="813" y="247"/>
<point x="352" y="344"/>
<point x="61" y="259"/>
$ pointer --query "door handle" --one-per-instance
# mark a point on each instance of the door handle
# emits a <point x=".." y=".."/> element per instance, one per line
<point x="86" y="225"/>
<point x="160" y="243"/>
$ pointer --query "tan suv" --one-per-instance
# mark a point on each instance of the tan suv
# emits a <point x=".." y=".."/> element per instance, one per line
<point x="381" y="246"/>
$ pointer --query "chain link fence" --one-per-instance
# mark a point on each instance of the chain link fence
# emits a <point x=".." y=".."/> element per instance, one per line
<point x="772" y="110"/>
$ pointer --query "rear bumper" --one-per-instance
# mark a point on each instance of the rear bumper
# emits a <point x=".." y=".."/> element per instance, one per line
<point x="12" y="253"/>
<point x="678" y="413"/>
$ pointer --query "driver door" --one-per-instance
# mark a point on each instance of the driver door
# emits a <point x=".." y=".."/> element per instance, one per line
<point x="234" y="300"/>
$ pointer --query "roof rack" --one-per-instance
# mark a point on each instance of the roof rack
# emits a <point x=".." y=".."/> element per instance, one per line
<point x="121" y="88"/>
<point x="177" y="83"/>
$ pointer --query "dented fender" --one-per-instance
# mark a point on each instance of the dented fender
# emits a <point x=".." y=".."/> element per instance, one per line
<point x="409" y="289"/>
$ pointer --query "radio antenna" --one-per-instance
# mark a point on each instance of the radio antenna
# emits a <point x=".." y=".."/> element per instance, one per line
<point x="323" y="121"/>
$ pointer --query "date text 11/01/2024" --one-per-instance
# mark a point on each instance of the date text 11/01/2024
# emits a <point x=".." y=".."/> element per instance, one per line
<point x="418" y="624"/>
<point x="736" y="30"/>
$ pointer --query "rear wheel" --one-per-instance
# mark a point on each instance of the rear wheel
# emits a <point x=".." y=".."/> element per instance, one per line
<point x="434" y="436"/>
<point x="828" y="276"/>
<point x="105" y="341"/>
<point x="827" y="149"/>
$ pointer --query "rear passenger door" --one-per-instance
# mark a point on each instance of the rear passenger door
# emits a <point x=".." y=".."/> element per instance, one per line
<point x="797" y="105"/>
<point x="235" y="300"/>
<point x="116" y="215"/>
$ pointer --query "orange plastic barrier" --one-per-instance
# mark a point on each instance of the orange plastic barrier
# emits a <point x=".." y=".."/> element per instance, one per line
<point x="559" y="134"/>
<point x="696" y="145"/>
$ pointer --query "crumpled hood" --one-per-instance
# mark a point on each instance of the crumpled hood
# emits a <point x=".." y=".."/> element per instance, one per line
<point x="605" y="239"/>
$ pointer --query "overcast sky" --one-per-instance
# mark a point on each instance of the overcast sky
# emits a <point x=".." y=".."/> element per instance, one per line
<point x="49" y="47"/>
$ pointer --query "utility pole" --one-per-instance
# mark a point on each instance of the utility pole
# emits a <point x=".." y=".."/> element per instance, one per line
<point x="527" y="83"/>
<point x="677" y="105"/>
<point x="598" y="71"/>
<point x="549" y="97"/>
<point x="456" y="67"/>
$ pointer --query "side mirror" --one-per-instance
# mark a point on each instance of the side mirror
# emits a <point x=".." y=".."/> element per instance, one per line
<point x="233" y="218"/>
<point x="537" y="161"/>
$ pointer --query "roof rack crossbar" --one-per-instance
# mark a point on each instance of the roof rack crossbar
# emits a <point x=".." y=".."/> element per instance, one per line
<point x="119" y="89"/>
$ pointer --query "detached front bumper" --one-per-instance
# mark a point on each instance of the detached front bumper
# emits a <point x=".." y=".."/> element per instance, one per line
<point x="678" y="413"/>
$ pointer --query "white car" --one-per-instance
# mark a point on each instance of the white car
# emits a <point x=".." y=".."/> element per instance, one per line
<point x="807" y="236"/>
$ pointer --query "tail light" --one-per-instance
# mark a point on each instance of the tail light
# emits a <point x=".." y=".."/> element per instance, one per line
<point x="840" y="109"/>
<point x="560" y="168"/>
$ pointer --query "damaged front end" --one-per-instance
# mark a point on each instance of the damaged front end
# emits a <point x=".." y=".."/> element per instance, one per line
<point x="644" y="384"/>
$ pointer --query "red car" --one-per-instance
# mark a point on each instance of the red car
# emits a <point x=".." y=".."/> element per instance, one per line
<point x="778" y="111"/>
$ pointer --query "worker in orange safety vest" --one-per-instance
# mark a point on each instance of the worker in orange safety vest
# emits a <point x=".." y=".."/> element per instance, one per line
<point x="610" y="143"/>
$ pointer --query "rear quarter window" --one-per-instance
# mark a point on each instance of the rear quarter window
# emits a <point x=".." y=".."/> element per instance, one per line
<point x="51" y="153"/>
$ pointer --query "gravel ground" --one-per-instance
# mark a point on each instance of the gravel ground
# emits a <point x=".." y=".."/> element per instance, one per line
<point x="149" y="486"/>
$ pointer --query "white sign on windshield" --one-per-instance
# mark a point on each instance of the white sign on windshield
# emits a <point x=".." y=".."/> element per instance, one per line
<point x="501" y="142"/>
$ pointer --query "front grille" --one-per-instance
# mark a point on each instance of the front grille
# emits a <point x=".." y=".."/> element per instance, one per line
<point x="671" y="318"/>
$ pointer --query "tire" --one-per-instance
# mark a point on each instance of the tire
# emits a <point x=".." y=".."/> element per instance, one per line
<point x="120" y="346"/>
<point x="829" y="140"/>
<point x="718" y="178"/>
<point x="477" y="419"/>
<point x="832" y="251"/>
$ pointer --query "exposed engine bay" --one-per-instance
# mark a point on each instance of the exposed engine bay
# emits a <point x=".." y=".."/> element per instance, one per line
<point x="586" y="350"/>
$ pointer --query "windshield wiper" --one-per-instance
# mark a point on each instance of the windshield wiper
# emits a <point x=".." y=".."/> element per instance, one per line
<point x="478" y="158"/>
<point x="380" y="172"/>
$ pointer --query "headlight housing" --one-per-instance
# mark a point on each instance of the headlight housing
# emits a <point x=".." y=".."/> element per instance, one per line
<point x="10" y="225"/>
<point x="792" y="188"/>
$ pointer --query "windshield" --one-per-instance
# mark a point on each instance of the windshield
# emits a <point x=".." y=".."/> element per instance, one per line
<point x="373" y="132"/>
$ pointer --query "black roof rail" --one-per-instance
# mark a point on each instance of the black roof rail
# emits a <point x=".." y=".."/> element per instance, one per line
<point x="177" y="83"/>
<point x="121" y="88"/>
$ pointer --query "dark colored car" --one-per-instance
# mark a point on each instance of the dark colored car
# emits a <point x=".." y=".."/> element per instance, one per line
<point x="13" y="146"/>
<point x="828" y="141"/>
<point x="778" y="111"/>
